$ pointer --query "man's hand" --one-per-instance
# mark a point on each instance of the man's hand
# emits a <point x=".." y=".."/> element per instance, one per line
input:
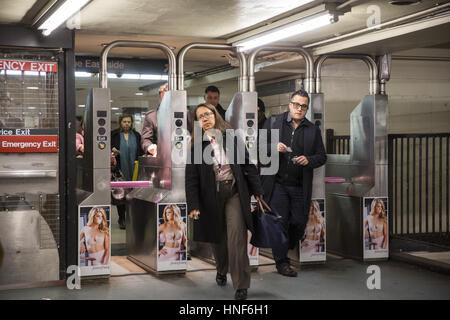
<point x="152" y="149"/>
<point x="116" y="152"/>
<point x="281" y="147"/>
<point x="194" y="214"/>
<point x="302" y="160"/>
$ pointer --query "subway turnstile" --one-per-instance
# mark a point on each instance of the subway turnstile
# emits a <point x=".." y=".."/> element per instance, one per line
<point x="358" y="183"/>
<point x="93" y="192"/>
<point x="165" y="174"/>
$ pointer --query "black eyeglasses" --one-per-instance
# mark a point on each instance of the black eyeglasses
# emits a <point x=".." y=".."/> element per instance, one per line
<point x="297" y="105"/>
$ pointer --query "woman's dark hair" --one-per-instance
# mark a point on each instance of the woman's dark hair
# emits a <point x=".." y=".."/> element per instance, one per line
<point x="301" y="93"/>
<point x="123" y="116"/>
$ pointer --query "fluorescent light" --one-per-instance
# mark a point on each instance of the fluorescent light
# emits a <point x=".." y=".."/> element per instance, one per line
<point x="139" y="93"/>
<point x="286" y="31"/>
<point x="125" y="76"/>
<point x="81" y="106"/>
<point x="33" y="88"/>
<point x="82" y="74"/>
<point x="31" y="108"/>
<point x="114" y="108"/>
<point x="154" y="77"/>
<point x="13" y="72"/>
<point x="31" y="73"/>
<point x="135" y="76"/>
<point x="63" y="13"/>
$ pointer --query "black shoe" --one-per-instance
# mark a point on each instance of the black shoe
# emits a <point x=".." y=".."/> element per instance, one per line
<point x="287" y="271"/>
<point x="121" y="225"/>
<point x="241" y="294"/>
<point x="221" y="279"/>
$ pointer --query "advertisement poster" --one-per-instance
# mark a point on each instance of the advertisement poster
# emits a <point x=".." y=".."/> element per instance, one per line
<point x="94" y="246"/>
<point x="172" y="236"/>
<point x="252" y="251"/>
<point x="313" y="245"/>
<point x="375" y="228"/>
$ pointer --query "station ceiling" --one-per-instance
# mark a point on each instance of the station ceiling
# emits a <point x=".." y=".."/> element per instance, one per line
<point x="179" y="22"/>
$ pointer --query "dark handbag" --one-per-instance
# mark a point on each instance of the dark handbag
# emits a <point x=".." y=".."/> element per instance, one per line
<point x="268" y="232"/>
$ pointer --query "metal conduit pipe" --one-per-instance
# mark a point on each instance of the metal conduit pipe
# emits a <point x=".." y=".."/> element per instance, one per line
<point x="420" y="14"/>
<point x="242" y="60"/>
<point x="370" y="62"/>
<point x="305" y="54"/>
<point x="103" y="81"/>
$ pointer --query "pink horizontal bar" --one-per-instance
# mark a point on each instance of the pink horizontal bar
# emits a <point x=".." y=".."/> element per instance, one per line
<point x="130" y="184"/>
<point x="334" y="180"/>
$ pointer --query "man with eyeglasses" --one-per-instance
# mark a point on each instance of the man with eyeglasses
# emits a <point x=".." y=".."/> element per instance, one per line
<point x="301" y="150"/>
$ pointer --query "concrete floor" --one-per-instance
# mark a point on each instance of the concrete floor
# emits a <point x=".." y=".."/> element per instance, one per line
<point x="337" y="279"/>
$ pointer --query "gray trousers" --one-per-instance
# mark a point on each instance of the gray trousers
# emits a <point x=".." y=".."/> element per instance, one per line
<point x="231" y="252"/>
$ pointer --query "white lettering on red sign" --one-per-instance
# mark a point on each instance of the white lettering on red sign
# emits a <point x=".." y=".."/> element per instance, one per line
<point x="23" y="65"/>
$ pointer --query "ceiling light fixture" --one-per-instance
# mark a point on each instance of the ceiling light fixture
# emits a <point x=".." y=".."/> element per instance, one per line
<point x="288" y="30"/>
<point x="61" y="14"/>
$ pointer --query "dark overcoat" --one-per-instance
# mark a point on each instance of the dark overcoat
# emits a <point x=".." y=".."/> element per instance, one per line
<point x="201" y="193"/>
<point x="314" y="151"/>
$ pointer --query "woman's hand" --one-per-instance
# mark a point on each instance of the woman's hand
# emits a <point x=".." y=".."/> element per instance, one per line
<point x="163" y="251"/>
<point x="194" y="214"/>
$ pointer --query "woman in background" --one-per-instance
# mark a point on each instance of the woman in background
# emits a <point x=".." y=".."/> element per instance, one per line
<point x="125" y="142"/>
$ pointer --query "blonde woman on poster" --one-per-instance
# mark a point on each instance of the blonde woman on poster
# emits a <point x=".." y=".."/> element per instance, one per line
<point x="315" y="229"/>
<point x="172" y="232"/>
<point x="96" y="237"/>
<point x="375" y="226"/>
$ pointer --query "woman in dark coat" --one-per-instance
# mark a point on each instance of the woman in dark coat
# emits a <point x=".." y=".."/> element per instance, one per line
<point x="125" y="144"/>
<point x="218" y="191"/>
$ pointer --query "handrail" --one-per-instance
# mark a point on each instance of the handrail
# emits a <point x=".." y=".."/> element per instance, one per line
<point x="12" y="174"/>
<point x="242" y="60"/>
<point x="103" y="82"/>
<point x="305" y="54"/>
<point x="370" y="62"/>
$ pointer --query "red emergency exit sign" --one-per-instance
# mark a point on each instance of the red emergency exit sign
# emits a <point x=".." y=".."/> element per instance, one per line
<point x="26" y="65"/>
<point x="28" y="140"/>
<point x="28" y="144"/>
